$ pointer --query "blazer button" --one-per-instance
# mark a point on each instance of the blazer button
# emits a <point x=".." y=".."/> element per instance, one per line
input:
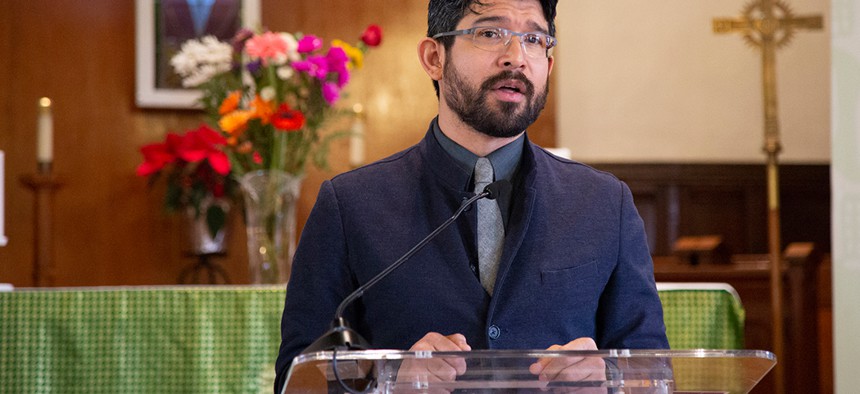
<point x="494" y="332"/>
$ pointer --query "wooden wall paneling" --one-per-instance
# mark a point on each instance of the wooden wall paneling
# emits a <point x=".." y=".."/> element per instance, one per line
<point x="727" y="200"/>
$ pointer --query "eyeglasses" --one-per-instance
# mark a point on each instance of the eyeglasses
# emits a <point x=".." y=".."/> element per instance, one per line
<point x="534" y="44"/>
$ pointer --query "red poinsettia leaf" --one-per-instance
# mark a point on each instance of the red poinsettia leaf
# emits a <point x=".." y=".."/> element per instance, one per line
<point x="219" y="162"/>
<point x="155" y="157"/>
<point x="210" y="136"/>
<point x="172" y="142"/>
<point x="147" y="169"/>
<point x="193" y="148"/>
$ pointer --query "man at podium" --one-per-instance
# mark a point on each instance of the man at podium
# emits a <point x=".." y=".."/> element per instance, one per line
<point x="558" y="260"/>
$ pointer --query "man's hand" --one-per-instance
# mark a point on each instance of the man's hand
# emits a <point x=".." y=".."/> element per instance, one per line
<point x="571" y="369"/>
<point x="433" y="369"/>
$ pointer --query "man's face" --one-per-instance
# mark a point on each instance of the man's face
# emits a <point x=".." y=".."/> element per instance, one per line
<point x="498" y="93"/>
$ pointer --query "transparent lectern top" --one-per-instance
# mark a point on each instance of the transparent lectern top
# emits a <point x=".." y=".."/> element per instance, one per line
<point x="600" y="371"/>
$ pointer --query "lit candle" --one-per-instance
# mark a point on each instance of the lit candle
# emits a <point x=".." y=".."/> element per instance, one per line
<point x="3" y="239"/>
<point x="356" y="139"/>
<point x="45" y="137"/>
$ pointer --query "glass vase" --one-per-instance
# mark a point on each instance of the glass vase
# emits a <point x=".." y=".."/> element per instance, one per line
<point x="270" y="218"/>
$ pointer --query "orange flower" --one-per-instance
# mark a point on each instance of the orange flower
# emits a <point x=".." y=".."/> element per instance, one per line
<point x="230" y="103"/>
<point x="263" y="109"/>
<point x="235" y="122"/>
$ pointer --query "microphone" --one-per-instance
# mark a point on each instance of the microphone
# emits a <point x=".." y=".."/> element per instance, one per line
<point x="340" y="336"/>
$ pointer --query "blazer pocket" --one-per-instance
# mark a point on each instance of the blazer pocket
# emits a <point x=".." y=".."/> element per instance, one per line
<point x="576" y="274"/>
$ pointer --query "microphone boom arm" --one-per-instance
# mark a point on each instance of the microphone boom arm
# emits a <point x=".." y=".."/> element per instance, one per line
<point x="360" y="291"/>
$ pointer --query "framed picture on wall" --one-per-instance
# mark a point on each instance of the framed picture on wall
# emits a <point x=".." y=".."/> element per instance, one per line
<point x="161" y="28"/>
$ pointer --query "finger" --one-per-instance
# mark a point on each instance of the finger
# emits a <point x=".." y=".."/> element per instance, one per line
<point x="460" y="341"/>
<point x="551" y="368"/>
<point x="584" y="343"/>
<point x="581" y="369"/>
<point x="433" y="341"/>
<point x="538" y="366"/>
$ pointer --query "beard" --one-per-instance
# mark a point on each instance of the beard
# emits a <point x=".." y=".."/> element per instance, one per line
<point x="501" y="119"/>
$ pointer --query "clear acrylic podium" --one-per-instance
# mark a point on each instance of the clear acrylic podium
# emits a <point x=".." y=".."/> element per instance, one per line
<point x="600" y="371"/>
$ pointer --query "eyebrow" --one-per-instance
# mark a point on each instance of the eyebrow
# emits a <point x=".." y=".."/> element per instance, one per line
<point x="494" y="18"/>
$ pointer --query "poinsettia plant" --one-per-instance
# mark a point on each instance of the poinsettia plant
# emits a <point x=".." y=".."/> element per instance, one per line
<point x="196" y="170"/>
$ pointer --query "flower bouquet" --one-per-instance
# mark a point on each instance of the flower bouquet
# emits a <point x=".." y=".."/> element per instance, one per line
<point x="269" y="94"/>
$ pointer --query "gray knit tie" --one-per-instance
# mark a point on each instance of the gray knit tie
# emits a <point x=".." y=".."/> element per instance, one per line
<point x="491" y="230"/>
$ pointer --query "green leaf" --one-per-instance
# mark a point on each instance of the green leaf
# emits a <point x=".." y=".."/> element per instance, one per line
<point x="215" y="219"/>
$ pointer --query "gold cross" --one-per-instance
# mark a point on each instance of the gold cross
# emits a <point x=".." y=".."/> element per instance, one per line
<point x="769" y="25"/>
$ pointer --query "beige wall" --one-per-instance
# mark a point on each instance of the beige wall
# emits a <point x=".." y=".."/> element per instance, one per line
<point x="650" y="81"/>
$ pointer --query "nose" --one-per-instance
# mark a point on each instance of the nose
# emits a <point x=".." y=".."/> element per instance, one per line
<point x="514" y="55"/>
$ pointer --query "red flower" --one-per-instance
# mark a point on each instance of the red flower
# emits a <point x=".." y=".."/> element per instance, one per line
<point x="155" y="157"/>
<point x="194" y="146"/>
<point x="372" y="36"/>
<point x="288" y="119"/>
<point x="203" y="144"/>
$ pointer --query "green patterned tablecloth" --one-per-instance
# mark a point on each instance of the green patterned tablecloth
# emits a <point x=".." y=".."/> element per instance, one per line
<point x="702" y="315"/>
<point x="212" y="339"/>
<point x="196" y="339"/>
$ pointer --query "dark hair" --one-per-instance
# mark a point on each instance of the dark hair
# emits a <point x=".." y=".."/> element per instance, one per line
<point x="444" y="15"/>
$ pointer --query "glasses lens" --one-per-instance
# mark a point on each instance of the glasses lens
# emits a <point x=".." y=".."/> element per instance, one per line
<point x="496" y="38"/>
<point x="534" y="43"/>
<point x="490" y="38"/>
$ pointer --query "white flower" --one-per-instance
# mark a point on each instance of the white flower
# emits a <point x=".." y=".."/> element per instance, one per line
<point x="267" y="93"/>
<point x="292" y="47"/>
<point x="200" y="60"/>
<point x="285" y="72"/>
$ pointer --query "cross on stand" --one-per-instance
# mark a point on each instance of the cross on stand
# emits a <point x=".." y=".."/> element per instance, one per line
<point x="769" y="25"/>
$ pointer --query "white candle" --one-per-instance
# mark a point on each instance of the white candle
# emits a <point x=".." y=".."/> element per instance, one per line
<point x="3" y="239"/>
<point x="45" y="137"/>
<point x="356" y="139"/>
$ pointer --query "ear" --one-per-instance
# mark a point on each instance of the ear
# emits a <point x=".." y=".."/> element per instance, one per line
<point x="550" y="62"/>
<point x="431" y="54"/>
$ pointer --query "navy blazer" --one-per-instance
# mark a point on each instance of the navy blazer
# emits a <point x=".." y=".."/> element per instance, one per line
<point x="575" y="261"/>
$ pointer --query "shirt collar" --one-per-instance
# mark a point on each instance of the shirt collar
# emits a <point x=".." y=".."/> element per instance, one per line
<point x="505" y="160"/>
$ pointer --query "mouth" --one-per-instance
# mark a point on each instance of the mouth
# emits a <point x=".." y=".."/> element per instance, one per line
<point x="511" y="90"/>
<point x="511" y="86"/>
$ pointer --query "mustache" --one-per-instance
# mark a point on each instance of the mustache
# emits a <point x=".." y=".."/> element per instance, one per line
<point x="508" y="75"/>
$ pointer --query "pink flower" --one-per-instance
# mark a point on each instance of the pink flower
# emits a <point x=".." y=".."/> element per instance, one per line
<point x="309" y="43"/>
<point x="315" y="66"/>
<point x="330" y="92"/>
<point x="337" y="62"/>
<point x="268" y="47"/>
